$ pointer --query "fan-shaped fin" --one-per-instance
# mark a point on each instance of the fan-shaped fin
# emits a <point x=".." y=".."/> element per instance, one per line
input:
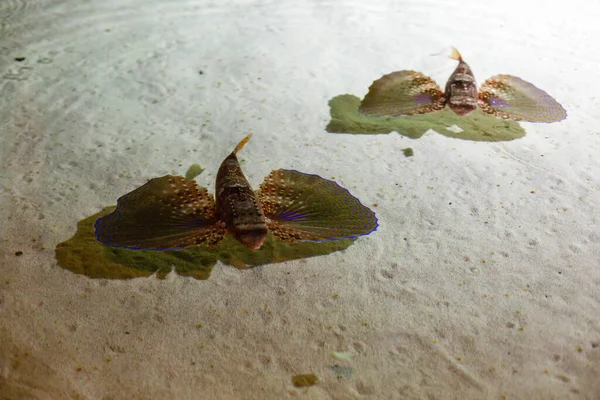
<point x="167" y="213"/>
<point x="308" y="207"/>
<point x="402" y="93"/>
<point x="509" y="97"/>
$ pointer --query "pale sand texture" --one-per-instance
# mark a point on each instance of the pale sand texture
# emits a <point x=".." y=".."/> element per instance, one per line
<point x="496" y="295"/>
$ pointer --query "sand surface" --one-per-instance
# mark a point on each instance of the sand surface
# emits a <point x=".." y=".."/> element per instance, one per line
<point x="482" y="281"/>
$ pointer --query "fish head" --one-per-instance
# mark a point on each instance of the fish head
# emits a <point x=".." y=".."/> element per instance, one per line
<point x="461" y="90"/>
<point x="253" y="239"/>
<point x="462" y="106"/>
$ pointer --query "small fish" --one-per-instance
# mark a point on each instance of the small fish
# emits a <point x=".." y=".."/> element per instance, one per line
<point x="172" y="212"/>
<point x="505" y="96"/>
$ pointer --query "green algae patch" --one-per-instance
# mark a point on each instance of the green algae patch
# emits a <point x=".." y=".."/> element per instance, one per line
<point x="274" y="250"/>
<point x="342" y="371"/>
<point x="476" y="126"/>
<point x="341" y="355"/>
<point x="193" y="171"/>
<point x="304" y="380"/>
<point x="83" y="254"/>
<point x="408" y="152"/>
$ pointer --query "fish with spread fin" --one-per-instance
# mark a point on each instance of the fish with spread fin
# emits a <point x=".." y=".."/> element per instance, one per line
<point x="172" y="212"/>
<point x="410" y="92"/>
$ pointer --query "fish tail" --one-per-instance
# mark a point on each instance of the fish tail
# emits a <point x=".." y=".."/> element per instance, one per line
<point x="242" y="143"/>
<point x="455" y="54"/>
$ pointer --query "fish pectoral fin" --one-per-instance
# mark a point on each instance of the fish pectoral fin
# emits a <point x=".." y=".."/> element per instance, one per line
<point x="509" y="97"/>
<point x="282" y="231"/>
<point x="402" y="93"/>
<point x="167" y="213"/>
<point x="300" y="206"/>
<point x="215" y="235"/>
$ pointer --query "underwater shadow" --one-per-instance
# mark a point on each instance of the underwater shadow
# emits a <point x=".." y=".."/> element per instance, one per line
<point x="476" y="126"/>
<point x="83" y="254"/>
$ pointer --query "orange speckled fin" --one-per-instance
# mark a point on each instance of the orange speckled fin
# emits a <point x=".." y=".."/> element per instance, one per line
<point x="402" y="93"/>
<point x="509" y="97"/>
<point x="301" y="206"/>
<point x="167" y="213"/>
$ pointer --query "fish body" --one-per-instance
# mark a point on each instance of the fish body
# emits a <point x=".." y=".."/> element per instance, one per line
<point x="237" y="204"/>
<point x="504" y="96"/>
<point x="173" y="212"/>
<point x="461" y="89"/>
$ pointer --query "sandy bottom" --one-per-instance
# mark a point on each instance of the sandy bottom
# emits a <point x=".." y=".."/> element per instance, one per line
<point x="482" y="280"/>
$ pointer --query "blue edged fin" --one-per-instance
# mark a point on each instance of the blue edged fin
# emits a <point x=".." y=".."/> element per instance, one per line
<point x="307" y="207"/>
<point x="167" y="213"/>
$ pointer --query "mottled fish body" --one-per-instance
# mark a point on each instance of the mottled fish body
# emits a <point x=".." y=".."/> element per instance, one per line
<point x="504" y="96"/>
<point x="237" y="204"/>
<point x="172" y="212"/>
<point x="461" y="88"/>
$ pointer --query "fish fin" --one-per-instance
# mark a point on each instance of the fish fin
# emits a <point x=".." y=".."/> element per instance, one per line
<point x="166" y="213"/>
<point x="306" y="207"/>
<point x="509" y="97"/>
<point x="402" y="93"/>
<point x="242" y="143"/>
<point x="455" y="55"/>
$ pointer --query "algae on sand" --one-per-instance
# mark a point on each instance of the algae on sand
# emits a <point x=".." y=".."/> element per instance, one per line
<point x="193" y="171"/>
<point x="476" y="126"/>
<point x="305" y="380"/>
<point x="83" y="254"/>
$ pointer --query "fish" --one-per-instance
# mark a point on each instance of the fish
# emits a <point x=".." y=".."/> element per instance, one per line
<point x="173" y="212"/>
<point x="409" y="92"/>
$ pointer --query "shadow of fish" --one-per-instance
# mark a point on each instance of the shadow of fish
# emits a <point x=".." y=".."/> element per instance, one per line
<point x="173" y="212"/>
<point x="410" y="92"/>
